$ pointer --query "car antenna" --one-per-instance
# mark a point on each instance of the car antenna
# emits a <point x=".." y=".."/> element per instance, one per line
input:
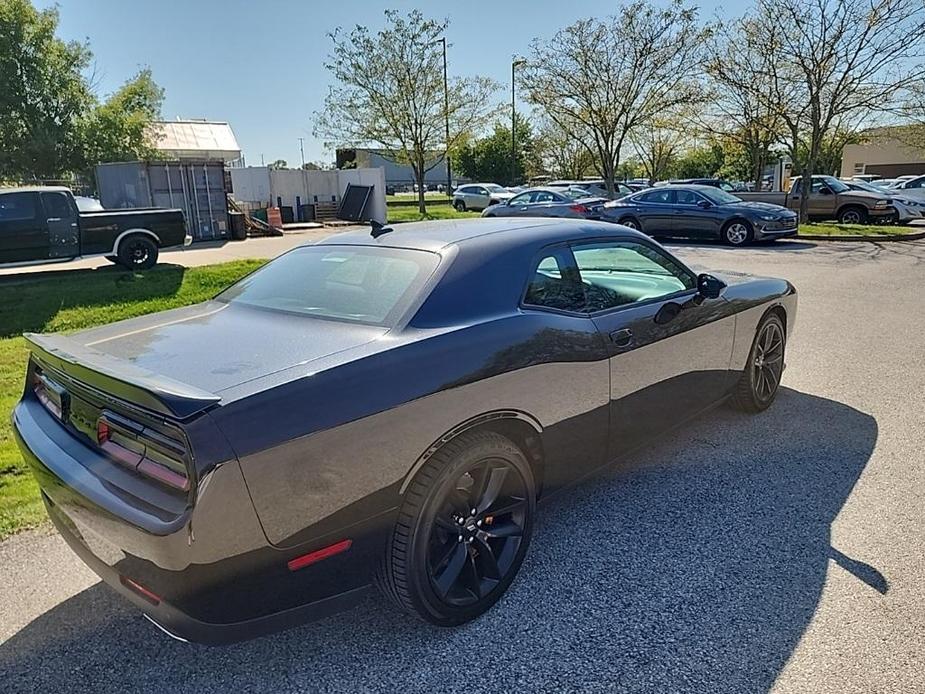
<point x="378" y="229"/>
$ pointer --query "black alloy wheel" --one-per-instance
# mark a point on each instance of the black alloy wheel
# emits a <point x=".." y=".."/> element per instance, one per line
<point x="463" y="530"/>
<point x="138" y="253"/>
<point x="760" y="380"/>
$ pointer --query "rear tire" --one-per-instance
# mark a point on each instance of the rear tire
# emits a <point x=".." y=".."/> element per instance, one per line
<point x="445" y="564"/>
<point x="631" y="222"/>
<point x="760" y="380"/>
<point x="137" y="252"/>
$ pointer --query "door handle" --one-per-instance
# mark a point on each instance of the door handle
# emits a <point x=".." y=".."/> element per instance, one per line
<point x="622" y="338"/>
<point x="53" y="219"/>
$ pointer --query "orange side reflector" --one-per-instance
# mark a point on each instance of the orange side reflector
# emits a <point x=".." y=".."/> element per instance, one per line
<point x="319" y="554"/>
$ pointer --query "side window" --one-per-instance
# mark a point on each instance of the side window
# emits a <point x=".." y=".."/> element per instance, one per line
<point x="660" y="196"/>
<point x="625" y="272"/>
<point x="544" y="196"/>
<point x="554" y="283"/>
<point x="521" y="199"/>
<point x="481" y="191"/>
<point x="686" y="197"/>
<point x="465" y="190"/>
<point x="57" y="206"/>
<point x="916" y="183"/>
<point x="17" y="207"/>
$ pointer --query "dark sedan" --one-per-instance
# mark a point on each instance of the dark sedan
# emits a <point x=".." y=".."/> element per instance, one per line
<point x="548" y="202"/>
<point x="382" y="408"/>
<point x="701" y="212"/>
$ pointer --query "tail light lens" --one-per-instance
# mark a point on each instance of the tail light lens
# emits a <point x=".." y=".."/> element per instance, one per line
<point x="148" y="452"/>
<point x="581" y="209"/>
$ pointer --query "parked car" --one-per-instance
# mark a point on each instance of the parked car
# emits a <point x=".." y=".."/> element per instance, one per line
<point x="45" y="224"/>
<point x="547" y="202"/>
<point x="478" y="196"/>
<point x="595" y="187"/>
<point x="907" y="209"/>
<point x="701" y="212"/>
<point x="380" y="408"/>
<point x="910" y="187"/>
<point x="831" y="199"/>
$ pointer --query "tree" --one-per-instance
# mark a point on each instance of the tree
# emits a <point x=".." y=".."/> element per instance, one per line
<point x="120" y="129"/>
<point x="658" y="144"/>
<point x="388" y="93"/>
<point x="489" y="158"/>
<point x="43" y="94"/>
<point x="743" y="108"/>
<point x="560" y="154"/>
<point x="703" y="161"/>
<point x="600" y="79"/>
<point x="832" y="62"/>
<point x="278" y="164"/>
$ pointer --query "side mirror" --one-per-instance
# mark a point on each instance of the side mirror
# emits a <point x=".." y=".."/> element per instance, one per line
<point x="704" y="204"/>
<point x="710" y="287"/>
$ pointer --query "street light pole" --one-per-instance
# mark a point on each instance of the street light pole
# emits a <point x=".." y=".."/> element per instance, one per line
<point x="446" y="116"/>
<point x="302" y="151"/>
<point x="514" y="65"/>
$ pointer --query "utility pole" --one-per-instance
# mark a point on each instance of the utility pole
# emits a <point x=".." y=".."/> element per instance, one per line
<point x="446" y="116"/>
<point x="302" y="151"/>
<point x="517" y="62"/>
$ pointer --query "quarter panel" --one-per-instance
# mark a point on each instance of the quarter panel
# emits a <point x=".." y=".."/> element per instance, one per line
<point x="327" y="441"/>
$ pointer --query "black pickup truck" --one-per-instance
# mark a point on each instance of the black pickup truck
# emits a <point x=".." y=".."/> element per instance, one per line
<point x="44" y="225"/>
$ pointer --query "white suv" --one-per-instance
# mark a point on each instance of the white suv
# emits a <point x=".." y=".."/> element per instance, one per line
<point x="478" y="196"/>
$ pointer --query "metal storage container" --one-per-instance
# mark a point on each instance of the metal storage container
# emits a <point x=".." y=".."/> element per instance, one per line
<point x="197" y="188"/>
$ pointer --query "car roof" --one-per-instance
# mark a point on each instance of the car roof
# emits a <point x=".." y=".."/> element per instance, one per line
<point x="35" y="189"/>
<point x="484" y="232"/>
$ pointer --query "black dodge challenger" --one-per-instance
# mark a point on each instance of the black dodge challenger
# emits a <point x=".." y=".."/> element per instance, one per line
<point x="380" y="408"/>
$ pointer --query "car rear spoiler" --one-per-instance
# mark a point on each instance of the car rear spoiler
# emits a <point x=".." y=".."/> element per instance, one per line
<point x="119" y="377"/>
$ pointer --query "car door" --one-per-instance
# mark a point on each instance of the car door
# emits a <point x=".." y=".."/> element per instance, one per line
<point x="694" y="216"/>
<point x="63" y="230"/>
<point x="518" y="206"/>
<point x="665" y="364"/>
<point x="479" y="198"/>
<point x="23" y="232"/>
<point x="656" y="211"/>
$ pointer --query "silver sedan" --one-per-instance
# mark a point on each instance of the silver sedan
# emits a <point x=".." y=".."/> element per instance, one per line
<point x="546" y="202"/>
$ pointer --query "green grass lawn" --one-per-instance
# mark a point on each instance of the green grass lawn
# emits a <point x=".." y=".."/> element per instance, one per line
<point x="429" y="195"/>
<point x="72" y="300"/>
<point x="411" y="214"/>
<point x="836" y="229"/>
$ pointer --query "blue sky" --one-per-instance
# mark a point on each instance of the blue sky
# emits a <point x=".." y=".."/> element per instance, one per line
<point x="258" y="65"/>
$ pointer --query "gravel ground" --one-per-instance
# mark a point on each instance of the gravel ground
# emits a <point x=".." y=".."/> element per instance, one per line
<point x="739" y="554"/>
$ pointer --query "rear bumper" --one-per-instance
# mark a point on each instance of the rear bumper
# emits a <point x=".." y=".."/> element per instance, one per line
<point x="214" y="574"/>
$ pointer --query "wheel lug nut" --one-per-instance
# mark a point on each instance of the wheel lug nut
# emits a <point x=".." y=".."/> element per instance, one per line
<point x="472" y="512"/>
<point x="460" y="539"/>
<point x="479" y="523"/>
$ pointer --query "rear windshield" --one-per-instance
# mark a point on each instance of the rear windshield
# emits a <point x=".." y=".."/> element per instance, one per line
<point x="359" y="284"/>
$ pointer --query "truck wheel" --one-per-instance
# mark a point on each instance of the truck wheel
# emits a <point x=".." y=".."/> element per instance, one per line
<point x="852" y="215"/>
<point x="137" y="252"/>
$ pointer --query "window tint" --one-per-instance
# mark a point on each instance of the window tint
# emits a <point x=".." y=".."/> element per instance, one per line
<point x="57" y="205"/>
<point x="521" y="199"/>
<point x="544" y="196"/>
<point x="656" y="196"/>
<point x="916" y="183"/>
<point x="357" y="284"/>
<point x="686" y="197"/>
<point x="626" y="272"/>
<point x="554" y="283"/>
<point x="17" y="207"/>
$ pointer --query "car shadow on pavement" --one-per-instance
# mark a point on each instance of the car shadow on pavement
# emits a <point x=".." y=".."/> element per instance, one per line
<point x="697" y="565"/>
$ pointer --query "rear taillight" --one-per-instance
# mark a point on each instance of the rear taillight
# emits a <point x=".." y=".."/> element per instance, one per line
<point x="581" y="209"/>
<point x="148" y="452"/>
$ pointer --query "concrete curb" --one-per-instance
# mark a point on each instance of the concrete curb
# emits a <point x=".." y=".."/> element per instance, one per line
<point x="884" y="237"/>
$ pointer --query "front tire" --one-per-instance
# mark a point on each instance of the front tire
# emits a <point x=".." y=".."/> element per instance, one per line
<point x="852" y="215"/>
<point x="758" y="385"/>
<point x="462" y="531"/>
<point x="738" y="232"/>
<point x="459" y="205"/>
<point x="138" y="252"/>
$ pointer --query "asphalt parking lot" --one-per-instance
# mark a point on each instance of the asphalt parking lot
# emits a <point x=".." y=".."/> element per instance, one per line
<point x="739" y="554"/>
